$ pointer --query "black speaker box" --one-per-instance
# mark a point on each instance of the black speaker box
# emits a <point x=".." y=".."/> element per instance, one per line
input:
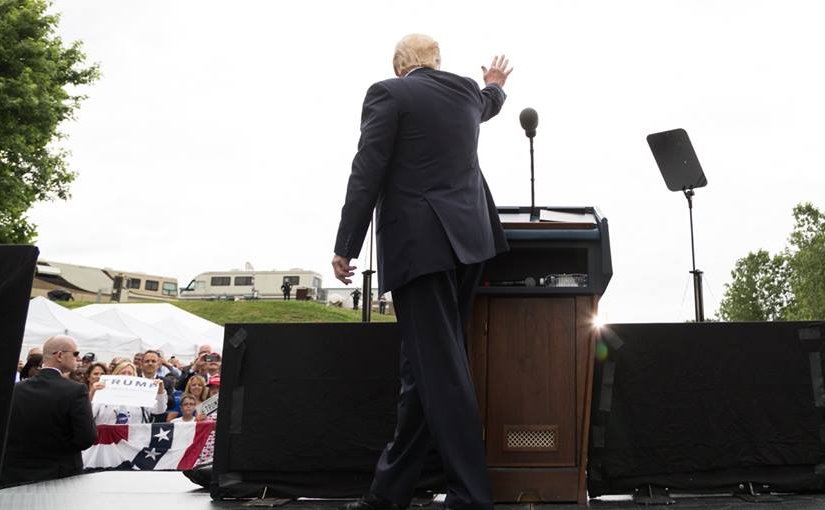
<point x="17" y="265"/>
<point x="306" y="409"/>
<point x="708" y="406"/>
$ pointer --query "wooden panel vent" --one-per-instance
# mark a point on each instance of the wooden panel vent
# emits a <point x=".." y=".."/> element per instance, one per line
<point x="531" y="438"/>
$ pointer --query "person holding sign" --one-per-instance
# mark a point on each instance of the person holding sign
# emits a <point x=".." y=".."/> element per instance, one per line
<point x="208" y="409"/>
<point x="196" y="386"/>
<point x="109" y="412"/>
<point x="92" y="375"/>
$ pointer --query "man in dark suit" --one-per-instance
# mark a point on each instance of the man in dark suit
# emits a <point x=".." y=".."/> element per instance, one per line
<point x="51" y="420"/>
<point x="436" y="223"/>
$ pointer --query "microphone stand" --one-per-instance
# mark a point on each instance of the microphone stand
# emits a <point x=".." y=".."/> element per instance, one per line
<point x="366" y="305"/>
<point x="532" y="184"/>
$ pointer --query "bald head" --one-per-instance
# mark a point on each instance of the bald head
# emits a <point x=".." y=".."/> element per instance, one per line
<point x="58" y="352"/>
<point x="415" y="50"/>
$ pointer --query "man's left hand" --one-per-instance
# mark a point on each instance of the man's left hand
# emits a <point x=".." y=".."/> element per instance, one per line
<point x="498" y="72"/>
<point x="342" y="269"/>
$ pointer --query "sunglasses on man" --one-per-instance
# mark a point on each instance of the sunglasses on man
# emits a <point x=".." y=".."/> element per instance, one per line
<point x="74" y="353"/>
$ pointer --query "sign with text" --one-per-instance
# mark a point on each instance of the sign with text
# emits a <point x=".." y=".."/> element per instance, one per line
<point x="208" y="406"/>
<point x="127" y="390"/>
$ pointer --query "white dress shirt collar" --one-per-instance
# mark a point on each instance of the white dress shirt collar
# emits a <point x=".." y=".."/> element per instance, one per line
<point x="414" y="69"/>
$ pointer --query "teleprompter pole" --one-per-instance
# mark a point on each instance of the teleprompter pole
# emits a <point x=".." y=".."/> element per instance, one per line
<point x="698" y="299"/>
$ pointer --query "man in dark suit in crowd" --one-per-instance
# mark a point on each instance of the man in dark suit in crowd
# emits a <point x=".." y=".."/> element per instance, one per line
<point x="51" y="420"/>
<point x="436" y="223"/>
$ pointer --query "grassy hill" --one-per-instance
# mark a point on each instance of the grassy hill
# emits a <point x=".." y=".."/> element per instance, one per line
<point x="222" y="312"/>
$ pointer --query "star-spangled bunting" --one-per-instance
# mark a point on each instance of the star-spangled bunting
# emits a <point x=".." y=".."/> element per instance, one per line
<point x="137" y="446"/>
<point x="162" y="436"/>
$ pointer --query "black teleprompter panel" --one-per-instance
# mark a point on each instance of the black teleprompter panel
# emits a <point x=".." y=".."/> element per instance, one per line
<point x="17" y="265"/>
<point x="306" y="409"/>
<point x="677" y="160"/>
<point x="704" y="406"/>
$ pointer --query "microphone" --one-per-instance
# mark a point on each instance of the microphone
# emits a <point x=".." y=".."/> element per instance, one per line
<point x="529" y="121"/>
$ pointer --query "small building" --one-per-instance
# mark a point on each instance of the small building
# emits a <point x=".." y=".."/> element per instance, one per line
<point x="252" y="284"/>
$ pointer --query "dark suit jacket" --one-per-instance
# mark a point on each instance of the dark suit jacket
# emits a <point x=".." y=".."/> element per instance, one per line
<point x="50" y="424"/>
<point x="417" y="162"/>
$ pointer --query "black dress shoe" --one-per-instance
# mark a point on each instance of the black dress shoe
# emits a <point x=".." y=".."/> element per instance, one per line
<point x="371" y="502"/>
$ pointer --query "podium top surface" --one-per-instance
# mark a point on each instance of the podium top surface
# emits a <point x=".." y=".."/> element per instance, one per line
<point x="549" y="218"/>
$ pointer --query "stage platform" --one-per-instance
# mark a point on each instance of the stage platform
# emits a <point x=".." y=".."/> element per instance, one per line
<point x="126" y="490"/>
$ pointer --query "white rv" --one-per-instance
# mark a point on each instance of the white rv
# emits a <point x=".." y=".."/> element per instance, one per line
<point x="251" y="284"/>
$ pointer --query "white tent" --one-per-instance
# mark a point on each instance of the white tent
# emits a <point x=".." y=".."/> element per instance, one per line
<point x="167" y="342"/>
<point x="46" y="319"/>
<point x="169" y="319"/>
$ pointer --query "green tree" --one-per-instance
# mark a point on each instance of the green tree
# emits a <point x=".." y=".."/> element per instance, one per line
<point x="787" y="286"/>
<point x="760" y="289"/>
<point x="37" y="72"/>
<point x="807" y="263"/>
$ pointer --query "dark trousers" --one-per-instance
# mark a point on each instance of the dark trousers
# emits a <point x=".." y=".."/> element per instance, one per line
<point x="437" y="404"/>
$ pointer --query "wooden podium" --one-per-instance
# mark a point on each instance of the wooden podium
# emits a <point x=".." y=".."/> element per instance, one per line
<point x="530" y="343"/>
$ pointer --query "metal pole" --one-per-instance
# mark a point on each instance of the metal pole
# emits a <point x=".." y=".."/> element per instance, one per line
<point x="532" y="182"/>
<point x="689" y="195"/>
<point x="366" y="305"/>
<point x="698" y="299"/>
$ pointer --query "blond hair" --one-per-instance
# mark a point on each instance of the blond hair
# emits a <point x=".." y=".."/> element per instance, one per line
<point x="415" y="50"/>
<point x="121" y="366"/>
<point x="204" y="391"/>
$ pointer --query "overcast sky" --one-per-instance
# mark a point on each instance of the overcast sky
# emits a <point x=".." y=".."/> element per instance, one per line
<point x="223" y="132"/>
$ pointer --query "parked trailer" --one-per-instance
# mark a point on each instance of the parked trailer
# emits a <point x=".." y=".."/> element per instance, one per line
<point x="252" y="285"/>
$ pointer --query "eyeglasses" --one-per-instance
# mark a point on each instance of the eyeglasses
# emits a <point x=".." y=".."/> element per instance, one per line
<point x="74" y="353"/>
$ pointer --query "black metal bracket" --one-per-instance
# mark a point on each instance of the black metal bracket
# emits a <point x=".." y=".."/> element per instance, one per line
<point x="748" y="492"/>
<point x="652" y="495"/>
<point x="265" y="502"/>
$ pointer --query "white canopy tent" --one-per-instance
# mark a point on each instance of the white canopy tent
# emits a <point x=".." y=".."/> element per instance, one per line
<point x="46" y="319"/>
<point x="187" y="329"/>
<point x="169" y="343"/>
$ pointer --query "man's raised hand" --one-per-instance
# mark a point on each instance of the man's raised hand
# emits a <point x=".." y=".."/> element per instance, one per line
<point x="498" y="72"/>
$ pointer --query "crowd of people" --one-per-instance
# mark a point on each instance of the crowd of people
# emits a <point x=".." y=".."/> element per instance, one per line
<point x="181" y="388"/>
<point x="54" y="416"/>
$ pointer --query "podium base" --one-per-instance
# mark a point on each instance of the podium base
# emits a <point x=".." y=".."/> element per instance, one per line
<point x="530" y="485"/>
